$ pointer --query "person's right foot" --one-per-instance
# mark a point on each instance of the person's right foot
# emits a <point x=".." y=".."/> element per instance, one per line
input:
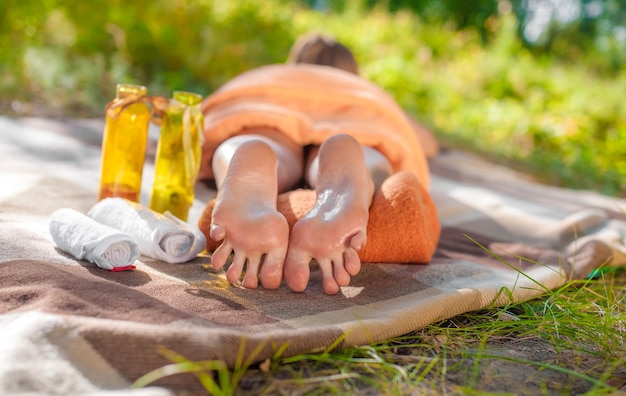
<point x="333" y="231"/>
<point x="245" y="219"/>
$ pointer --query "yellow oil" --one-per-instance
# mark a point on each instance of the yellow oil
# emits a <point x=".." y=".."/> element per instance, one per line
<point x="124" y="147"/>
<point x="178" y="156"/>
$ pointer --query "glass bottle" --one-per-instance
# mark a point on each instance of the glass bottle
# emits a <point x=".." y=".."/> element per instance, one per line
<point x="124" y="143"/>
<point x="178" y="155"/>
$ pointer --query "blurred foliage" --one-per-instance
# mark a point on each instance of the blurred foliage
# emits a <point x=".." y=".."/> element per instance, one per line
<point x="523" y="81"/>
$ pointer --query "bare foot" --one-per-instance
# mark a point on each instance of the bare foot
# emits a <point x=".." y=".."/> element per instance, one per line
<point x="246" y="219"/>
<point x="335" y="229"/>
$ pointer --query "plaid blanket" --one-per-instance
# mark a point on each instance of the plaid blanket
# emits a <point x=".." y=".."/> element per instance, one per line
<point x="70" y="327"/>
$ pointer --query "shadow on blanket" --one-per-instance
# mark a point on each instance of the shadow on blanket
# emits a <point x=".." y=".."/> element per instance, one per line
<point x="91" y="330"/>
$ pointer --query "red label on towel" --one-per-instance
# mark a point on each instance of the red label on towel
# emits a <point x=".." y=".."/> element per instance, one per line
<point x="125" y="268"/>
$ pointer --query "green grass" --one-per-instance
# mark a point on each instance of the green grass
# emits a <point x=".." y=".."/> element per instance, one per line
<point x="566" y="341"/>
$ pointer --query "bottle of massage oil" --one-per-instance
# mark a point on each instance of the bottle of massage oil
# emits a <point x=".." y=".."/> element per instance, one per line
<point x="178" y="155"/>
<point x="124" y="143"/>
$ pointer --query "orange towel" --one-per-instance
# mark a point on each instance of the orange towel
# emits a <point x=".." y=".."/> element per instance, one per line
<point x="309" y="103"/>
<point x="403" y="226"/>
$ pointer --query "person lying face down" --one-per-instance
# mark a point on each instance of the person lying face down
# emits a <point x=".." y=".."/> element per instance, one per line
<point x="312" y="120"/>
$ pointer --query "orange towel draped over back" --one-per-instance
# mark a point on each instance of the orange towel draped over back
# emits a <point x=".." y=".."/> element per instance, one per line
<point x="309" y="103"/>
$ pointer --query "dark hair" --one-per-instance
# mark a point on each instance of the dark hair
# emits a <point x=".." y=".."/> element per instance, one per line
<point x="322" y="50"/>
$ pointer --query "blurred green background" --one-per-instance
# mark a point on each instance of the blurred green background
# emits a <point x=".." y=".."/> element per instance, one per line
<point x="537" y="84"/>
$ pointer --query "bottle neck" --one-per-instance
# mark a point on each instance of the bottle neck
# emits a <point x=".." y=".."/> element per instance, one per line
<point x="187" y="98"/>
<point x="125" y="90"/>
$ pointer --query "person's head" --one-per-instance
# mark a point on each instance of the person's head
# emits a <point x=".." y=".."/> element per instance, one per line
<point x="322" y="50"/>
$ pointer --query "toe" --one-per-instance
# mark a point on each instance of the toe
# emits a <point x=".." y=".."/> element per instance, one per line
<point x="358" y="240"/>
<point x="352" y="262"/>
<point x="272" y="269"/>
<point x="220" y="255"/>
<point x="297" y="270"/>
<point x="217" y="232"/>
<point x="330" y="286"/>
<point x="251" y="280"/>
<point x="342" y="277"/>
<point x="329" y="283"/>
<point x="236" y="268"/>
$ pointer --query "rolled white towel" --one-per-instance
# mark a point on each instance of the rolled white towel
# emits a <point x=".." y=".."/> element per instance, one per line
<point x="86" y="239"/>
<point x="163" y="237"/>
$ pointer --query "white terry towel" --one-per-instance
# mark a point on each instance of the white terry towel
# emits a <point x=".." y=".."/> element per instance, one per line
<point x="86" y="239"/>
<point x="163" y="237"/>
